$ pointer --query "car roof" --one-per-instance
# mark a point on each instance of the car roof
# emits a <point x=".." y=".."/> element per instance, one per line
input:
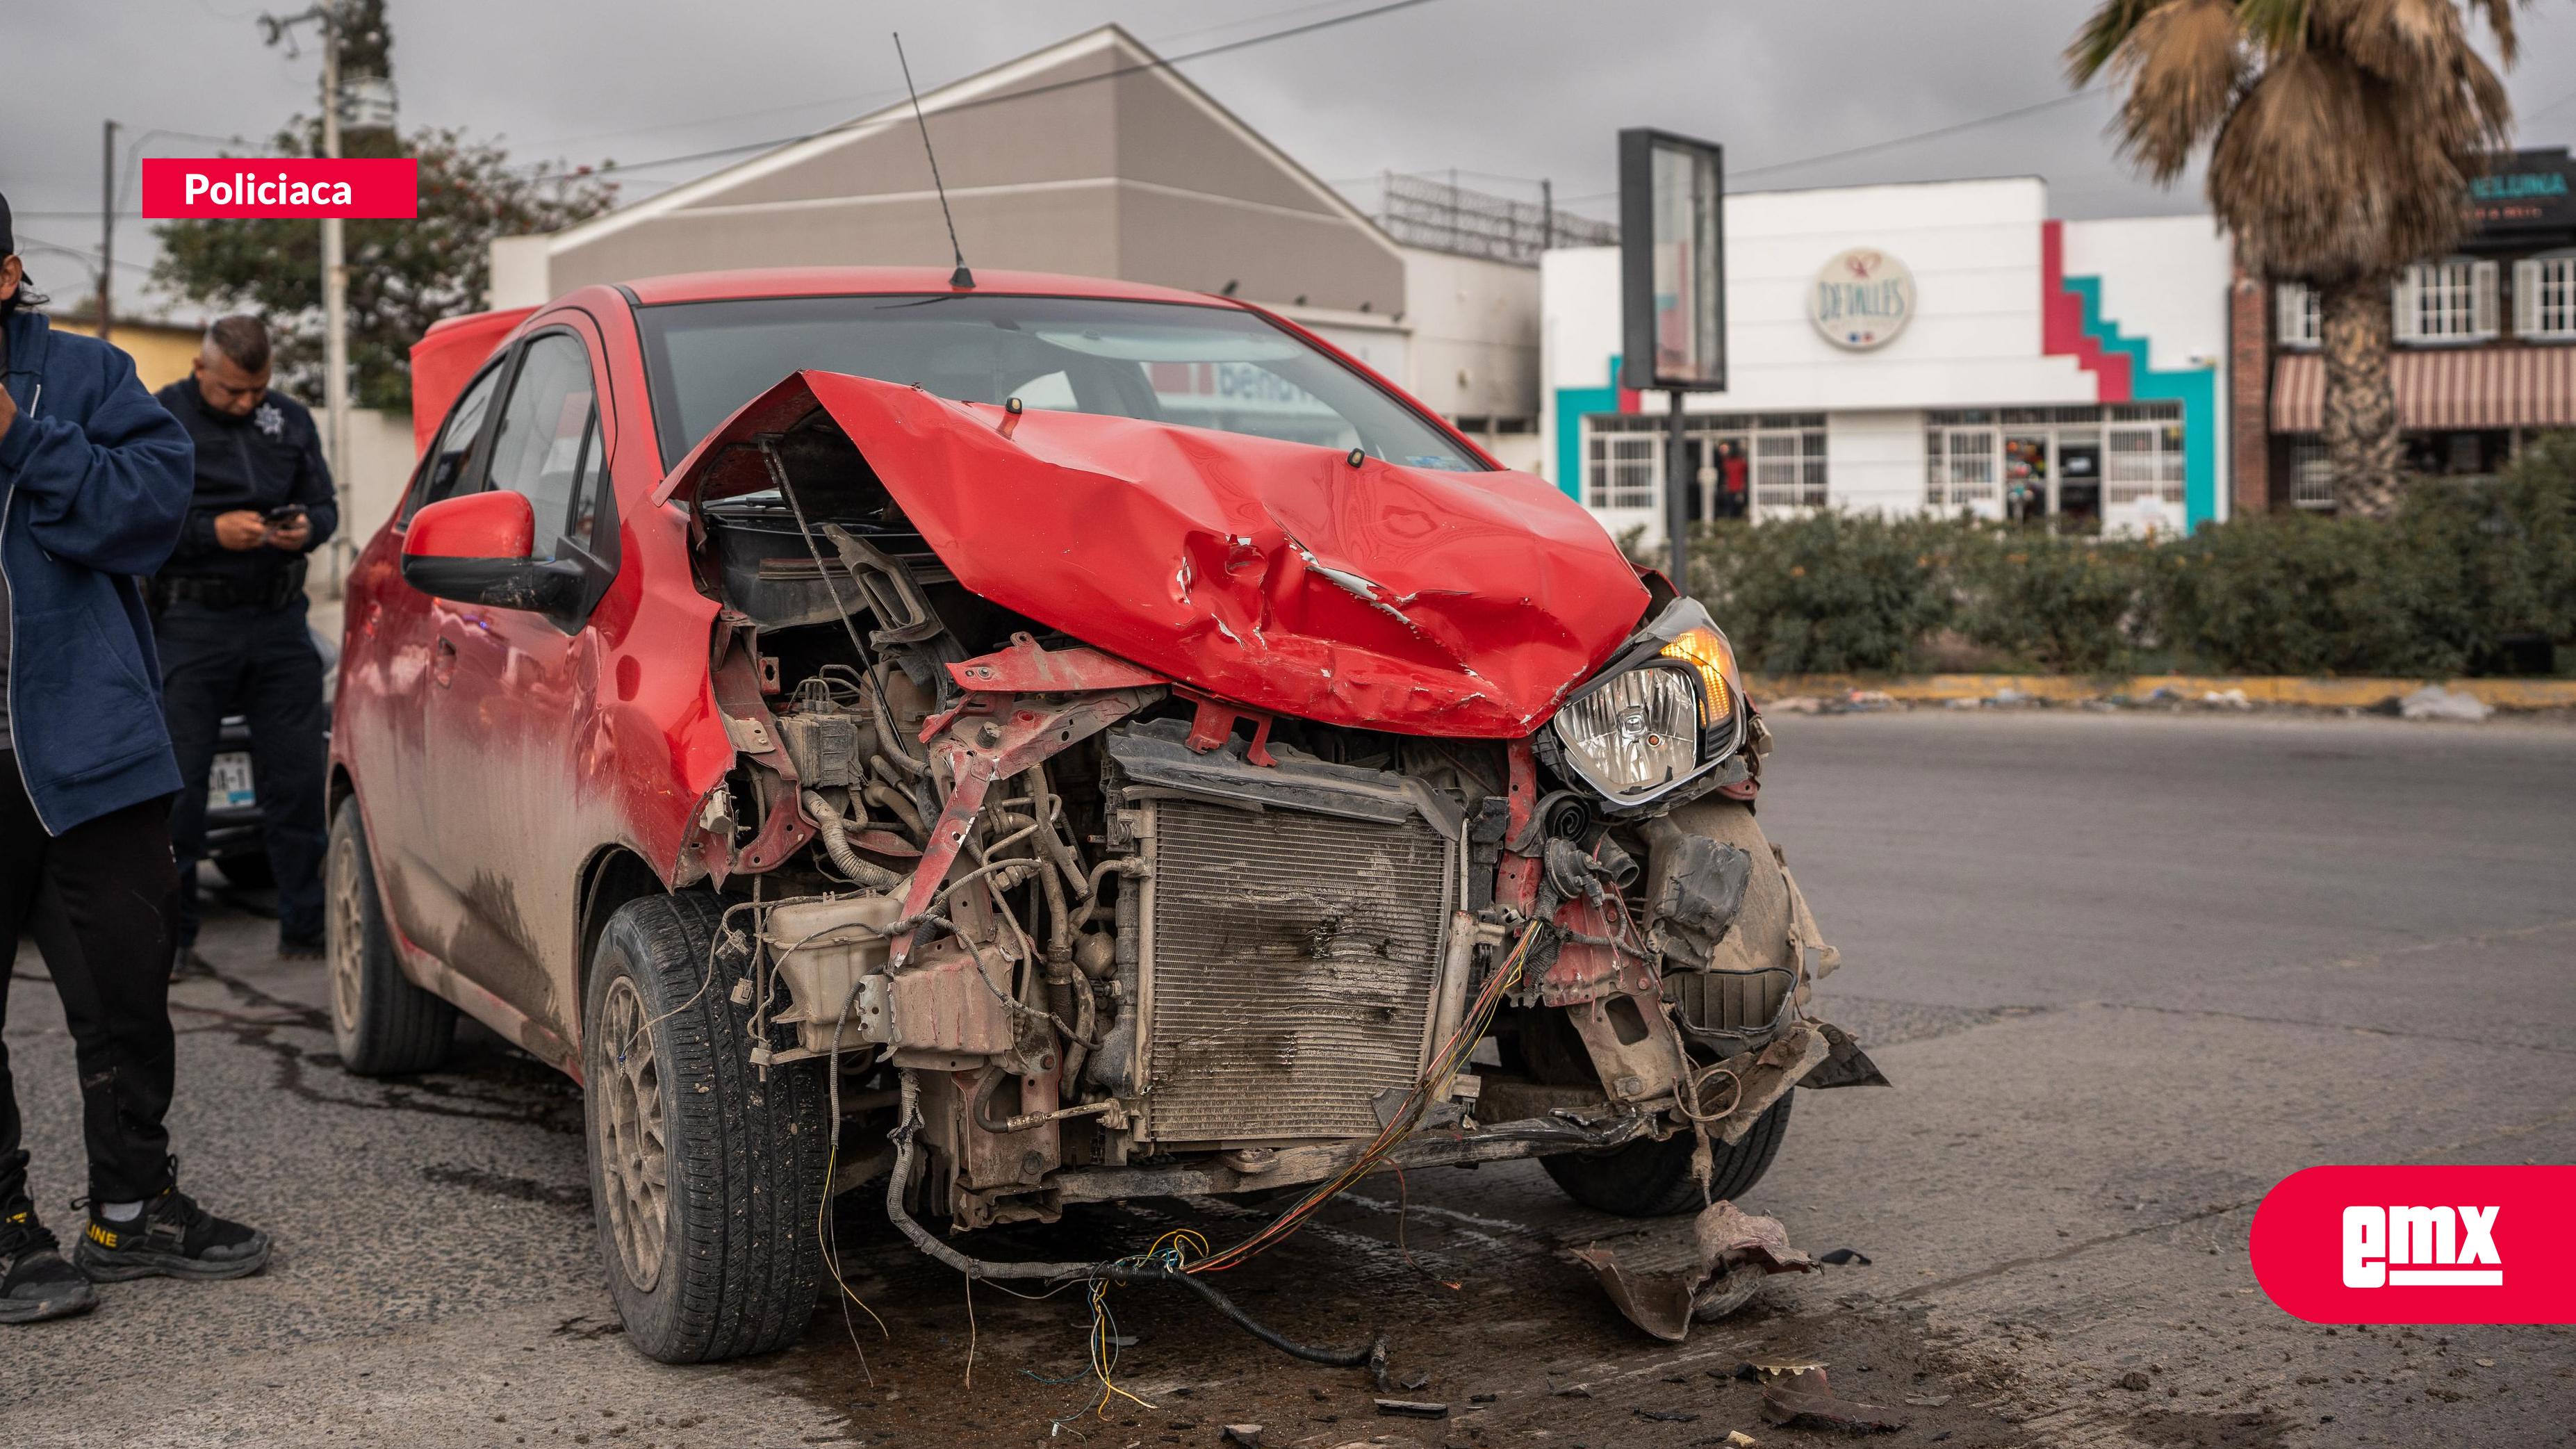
<point x="870" y="281"/>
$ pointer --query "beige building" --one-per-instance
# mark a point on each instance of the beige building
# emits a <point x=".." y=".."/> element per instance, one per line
<point x="1089" y="157"/>
<point x="161" y="350"/>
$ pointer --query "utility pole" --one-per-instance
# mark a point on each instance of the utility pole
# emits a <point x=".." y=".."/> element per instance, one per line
<point x="335" y="263"/>
<point x="106" y="229"/>
<point x="1547" y="214"/>
<point x="335" y="267"/>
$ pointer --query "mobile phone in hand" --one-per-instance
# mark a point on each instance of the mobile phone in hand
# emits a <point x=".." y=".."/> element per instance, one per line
<point x="284" y="515"/>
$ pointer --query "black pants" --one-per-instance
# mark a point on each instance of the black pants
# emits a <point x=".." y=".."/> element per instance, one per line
<point x="99" y="897"/>
<point x="258" y="663"/>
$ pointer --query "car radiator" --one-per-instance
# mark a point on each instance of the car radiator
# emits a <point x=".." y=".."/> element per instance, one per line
<point x="1290" y="968"/>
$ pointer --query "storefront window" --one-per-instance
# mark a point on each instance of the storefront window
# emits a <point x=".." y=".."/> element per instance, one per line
<point x="2143" y="462"/>
<point x="2311" y="478"/>
<point x="2544" y="297"/>
<point x="1741" y="463"/>
<point x="2064" y="464"/>
<point x="1789" y="469"/>
<point x="1964" y="470"/>
<point x="1623" y="469"/>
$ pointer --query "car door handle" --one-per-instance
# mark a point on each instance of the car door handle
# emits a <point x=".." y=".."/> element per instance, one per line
<point x="442" y="663"/>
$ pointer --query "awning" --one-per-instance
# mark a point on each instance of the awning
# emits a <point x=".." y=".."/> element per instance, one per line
<point x="2437" y="391"/>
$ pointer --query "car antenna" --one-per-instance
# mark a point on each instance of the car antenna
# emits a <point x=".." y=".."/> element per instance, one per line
<point x="960" y="278"/>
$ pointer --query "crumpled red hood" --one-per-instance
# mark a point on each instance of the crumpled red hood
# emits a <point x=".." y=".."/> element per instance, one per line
<point x="1274" y="574"/>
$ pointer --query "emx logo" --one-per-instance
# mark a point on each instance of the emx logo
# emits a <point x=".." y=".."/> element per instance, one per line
<point x="2416" y="1247"/>
<point x="2420" y="1244"/>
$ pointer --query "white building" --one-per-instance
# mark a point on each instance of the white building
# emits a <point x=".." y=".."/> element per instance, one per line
<point x="2010" y="364"/>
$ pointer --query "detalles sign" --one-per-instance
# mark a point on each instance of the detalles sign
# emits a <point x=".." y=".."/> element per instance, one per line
<point x="2420" y="1244"/>
<point x="247" y="188"/>
<point x="1861" y="299"/>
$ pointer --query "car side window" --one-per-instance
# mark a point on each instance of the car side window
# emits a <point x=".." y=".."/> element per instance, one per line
<point x="454" y="446"/>
<point x="546" y="442"/>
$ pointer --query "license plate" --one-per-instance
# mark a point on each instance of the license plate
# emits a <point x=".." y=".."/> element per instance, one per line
<point x="228" y="783"/>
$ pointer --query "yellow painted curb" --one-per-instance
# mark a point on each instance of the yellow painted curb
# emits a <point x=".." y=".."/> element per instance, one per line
<point x="2322" y="693"/>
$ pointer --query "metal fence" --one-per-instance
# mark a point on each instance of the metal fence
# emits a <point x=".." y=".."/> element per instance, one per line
<point x="1423" y="212"/>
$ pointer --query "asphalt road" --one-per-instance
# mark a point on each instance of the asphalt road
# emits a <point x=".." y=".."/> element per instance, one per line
<point x="2126" y="971"/>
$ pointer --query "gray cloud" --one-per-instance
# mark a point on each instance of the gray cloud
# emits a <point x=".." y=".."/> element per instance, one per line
<point x="1505" y="91"/>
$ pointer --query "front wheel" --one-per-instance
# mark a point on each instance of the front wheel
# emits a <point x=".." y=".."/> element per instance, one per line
<point x="1653" y="1179"/>
<point x="706" y="1179"/>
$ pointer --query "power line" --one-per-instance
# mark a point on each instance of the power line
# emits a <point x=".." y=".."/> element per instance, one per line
<point x="1159" y="63"/>
<point x="86" y="254"/>
<point x="874" y="97"/>
<point x="1891" y="142"/>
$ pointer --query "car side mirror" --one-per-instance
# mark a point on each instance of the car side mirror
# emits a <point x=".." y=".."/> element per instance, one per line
<point x="474" y="550"/>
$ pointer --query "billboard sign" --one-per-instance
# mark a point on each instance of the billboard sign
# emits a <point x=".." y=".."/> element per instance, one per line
<point x="1672" y="244"/>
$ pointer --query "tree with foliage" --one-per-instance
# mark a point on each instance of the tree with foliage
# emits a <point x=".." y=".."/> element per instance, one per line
<point x="2343" y="136"/>
<point x="403" y="275"/>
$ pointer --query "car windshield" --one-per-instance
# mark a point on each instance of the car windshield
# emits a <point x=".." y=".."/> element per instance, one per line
<point x="1205" y="367"/>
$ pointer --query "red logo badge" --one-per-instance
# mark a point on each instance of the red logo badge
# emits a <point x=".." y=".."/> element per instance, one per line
<point x="2420" y="1244"/>
<point x="241" y="188"/>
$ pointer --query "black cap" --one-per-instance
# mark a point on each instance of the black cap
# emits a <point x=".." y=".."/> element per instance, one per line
<point x="8" y="242"/>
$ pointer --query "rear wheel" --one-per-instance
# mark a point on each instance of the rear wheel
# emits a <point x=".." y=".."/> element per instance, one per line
<point x="382" y="1023"/>
<point x="1653" y="1179"/>
<point x="706" y="1178"/>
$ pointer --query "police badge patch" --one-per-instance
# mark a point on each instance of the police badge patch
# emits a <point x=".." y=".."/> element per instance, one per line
<point x="270" y="420"/>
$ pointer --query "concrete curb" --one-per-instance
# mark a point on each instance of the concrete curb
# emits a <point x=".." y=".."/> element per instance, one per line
<point x="2320" y="693"/>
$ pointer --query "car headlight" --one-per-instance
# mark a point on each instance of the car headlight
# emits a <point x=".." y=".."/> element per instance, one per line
<point x="1665" y="711"/>
<point x="1704" y="650"/>
<point x="1635" y="734"/>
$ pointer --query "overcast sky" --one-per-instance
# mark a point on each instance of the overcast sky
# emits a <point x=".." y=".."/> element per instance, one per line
<point x="1504" y="91"/>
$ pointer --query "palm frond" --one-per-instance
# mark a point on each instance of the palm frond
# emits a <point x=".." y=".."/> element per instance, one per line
<point x="2277" y="26"/>
<point x="2105" y="32"/>
<point x="2499" y="17"/>
<point x="2291" y="175"/>
<point x="2181" y="65"/>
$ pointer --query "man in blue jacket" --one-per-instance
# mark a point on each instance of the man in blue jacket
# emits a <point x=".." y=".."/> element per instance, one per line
<point x="94" y="481"/>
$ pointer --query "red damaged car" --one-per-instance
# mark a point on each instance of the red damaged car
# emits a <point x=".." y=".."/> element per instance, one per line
<point x="1034" y="742"/>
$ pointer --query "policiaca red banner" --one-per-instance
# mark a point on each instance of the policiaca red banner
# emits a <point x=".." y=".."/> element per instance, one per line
<point x="247" y="187"/>
<point x="2420" y="1244"/>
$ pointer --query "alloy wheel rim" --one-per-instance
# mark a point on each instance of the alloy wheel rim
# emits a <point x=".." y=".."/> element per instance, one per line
<point x="633" y="1149"/>
<point x="346" y="928"/>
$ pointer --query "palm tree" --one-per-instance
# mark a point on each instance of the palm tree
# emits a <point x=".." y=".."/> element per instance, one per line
<point x="2343" y="135"/>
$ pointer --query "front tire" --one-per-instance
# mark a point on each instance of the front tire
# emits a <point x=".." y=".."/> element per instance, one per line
<point x="1653" y="1179"/>
<point x="705" y="1178"/>
<point x="382" y="1023"/>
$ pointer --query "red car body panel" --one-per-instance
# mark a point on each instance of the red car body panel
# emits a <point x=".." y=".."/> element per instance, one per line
<point x="446" y="358"/>
<point x="1278" y="575"/>
<point x="497" y="758"/>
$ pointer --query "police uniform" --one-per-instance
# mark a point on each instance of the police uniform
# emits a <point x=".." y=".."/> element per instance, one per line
<point x="234" y="640"/>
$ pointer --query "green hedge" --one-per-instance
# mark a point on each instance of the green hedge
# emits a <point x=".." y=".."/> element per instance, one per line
<point x="2469" y="578"/>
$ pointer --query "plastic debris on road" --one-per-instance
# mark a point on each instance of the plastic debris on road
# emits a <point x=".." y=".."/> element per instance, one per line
<point x="2435" y="702"/>
<point x="1731" y="1252"/>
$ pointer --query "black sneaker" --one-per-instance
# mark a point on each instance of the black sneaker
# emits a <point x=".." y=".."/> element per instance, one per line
<point x="35" y="1282"/>
<point x="293" y="948"/>
<point x="171" y="1238"/>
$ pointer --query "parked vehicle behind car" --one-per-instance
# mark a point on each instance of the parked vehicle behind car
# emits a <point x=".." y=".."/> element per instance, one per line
<point x="1029" y="743"/>
<point x="236" y="830"/>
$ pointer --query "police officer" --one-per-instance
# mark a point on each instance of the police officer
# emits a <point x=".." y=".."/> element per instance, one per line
<point x="93" y="485"/>
<point x="231" y="620"/>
